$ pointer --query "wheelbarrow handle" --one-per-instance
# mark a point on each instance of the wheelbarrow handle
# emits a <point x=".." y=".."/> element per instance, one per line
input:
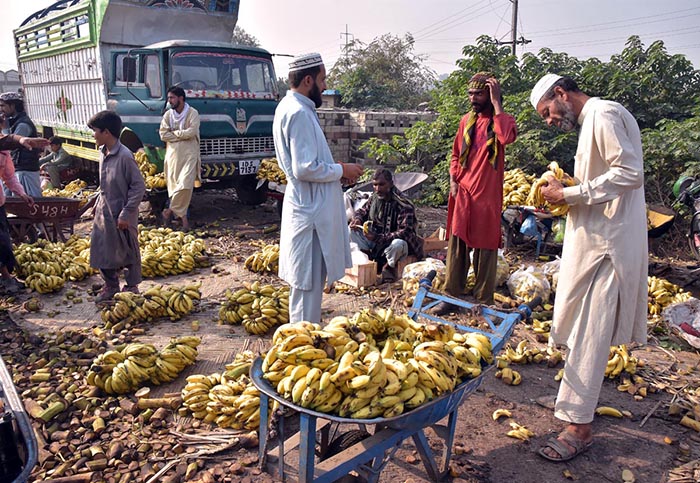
<point x="526" y="309"/>
<point x="427" y="281"/>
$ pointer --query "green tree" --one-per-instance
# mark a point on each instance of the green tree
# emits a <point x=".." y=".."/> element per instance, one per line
<point x="242" y="37"/>
<point x="383" y="74"/>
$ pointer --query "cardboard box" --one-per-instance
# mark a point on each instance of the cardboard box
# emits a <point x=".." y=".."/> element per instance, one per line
<point x="364" y="275"/>
<point x="436" y="241"/>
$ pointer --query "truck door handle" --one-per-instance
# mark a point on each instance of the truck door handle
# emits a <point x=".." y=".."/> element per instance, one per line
<point x="114" y="94"/>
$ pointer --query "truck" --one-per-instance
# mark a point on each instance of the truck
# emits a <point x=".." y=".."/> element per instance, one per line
<point x="78" y="57"/>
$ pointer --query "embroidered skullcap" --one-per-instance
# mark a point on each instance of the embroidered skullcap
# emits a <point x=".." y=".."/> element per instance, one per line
<point x="306" y="61"/>
<point x="478" y="80"/>
<point x="543" y="85"/>
<point x="10" y="96"/>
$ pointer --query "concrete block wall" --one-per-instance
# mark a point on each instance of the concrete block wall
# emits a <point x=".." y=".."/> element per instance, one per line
<point x="347" y="130"/>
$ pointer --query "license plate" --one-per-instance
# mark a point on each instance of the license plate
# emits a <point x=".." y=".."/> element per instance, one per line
<point x="248" y="166"/>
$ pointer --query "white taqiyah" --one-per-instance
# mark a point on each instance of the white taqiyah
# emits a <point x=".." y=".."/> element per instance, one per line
<point x="541" y="88"/>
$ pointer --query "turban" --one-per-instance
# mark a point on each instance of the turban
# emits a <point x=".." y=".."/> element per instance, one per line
<point x="305" y="61"/>
<point x="478" y="80"/>
<point x="543" y="85"/>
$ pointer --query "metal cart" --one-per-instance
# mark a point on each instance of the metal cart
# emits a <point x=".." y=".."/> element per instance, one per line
<point x="370" y="455"/>
<point x="18" y="445"/>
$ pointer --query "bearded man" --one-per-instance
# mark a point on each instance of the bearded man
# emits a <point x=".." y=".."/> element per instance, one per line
<point x="476" y="191"/>
<point x="314" y="241"/>
<point x="601" y="298"/>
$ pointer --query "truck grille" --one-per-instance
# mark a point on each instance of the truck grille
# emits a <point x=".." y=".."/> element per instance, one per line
<point x="237" y="146"/>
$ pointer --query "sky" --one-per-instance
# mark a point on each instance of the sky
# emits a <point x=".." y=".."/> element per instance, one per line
<point x="581" y="28"/>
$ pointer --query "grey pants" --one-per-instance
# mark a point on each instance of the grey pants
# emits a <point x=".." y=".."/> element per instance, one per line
<point x="305" y="305"/>
<point x="132" y="276"/>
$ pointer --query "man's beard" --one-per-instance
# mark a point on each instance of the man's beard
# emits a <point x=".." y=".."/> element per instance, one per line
<point x="568" y="121"/>
<point x="479" y="108"/>
<point x="315" y="95"/>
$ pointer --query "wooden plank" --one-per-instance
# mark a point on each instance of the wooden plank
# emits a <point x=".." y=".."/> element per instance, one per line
<point x="364" y="275"/>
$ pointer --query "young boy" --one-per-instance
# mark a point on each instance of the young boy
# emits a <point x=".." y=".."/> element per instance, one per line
<point x="115" y="242"/>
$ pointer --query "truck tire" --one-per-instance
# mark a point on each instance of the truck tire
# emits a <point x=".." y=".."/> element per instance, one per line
<point x="247" y="194"/>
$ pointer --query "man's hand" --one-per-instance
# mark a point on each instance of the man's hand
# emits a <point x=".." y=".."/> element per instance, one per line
<point x="122" y="224"/>
<point x="33" y="143"/>
<point x="371" y="236"/>
<point x="351" y="171"/>
<point x="355" y="225"/>
<point x="454" y="188"/>
<point x="495" y="91"/>
<point x="27" y="199"/>
<point x="553" y="191"/>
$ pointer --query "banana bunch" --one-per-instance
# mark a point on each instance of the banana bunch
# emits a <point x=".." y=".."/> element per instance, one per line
<point x="543" y="327"/>
<point x="157" y="181"/>
<point x="373" y="364"/>
<point x="410" y="286"/>
<point x="535" y="197"/>
<point x="122" y="372"/>
<point x="158" y="301"/>
<point x="270" y="170"/>
<point x="46" y="266"/>
<point x="663" y="293"/>
<point x="145" y="166"/>
<point x="619" y="359"/>
<point x="230" y="400"/>
<point x="264" y="260"/>
<point x="519" y="432"/>
<point x="516" y="187"/>
<point x="258" y="307"/>
<point x="167" y="252"/>
<point x="75" y="189"/>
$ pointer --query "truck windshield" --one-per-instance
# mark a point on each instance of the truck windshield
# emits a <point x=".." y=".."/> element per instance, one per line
<point x="223" y="75"/>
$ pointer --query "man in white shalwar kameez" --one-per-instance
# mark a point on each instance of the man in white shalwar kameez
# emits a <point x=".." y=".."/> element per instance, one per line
<point x="179" y="129"/>
<point x="314" y="242"/>
<point x="601" y="297"/>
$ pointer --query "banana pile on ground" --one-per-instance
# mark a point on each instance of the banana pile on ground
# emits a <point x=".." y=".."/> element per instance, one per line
<point x="258" y="307"/>
<point x="149" y="171"/>
<point x="167" y="252"/>
<point x="375" y="364"/>
<point x="663" y="293"/>
<point x="535" y="197"/>
<point x="229" y="400"/>
<point x="264" y="260"/>
<point x="619" y="360"/>
<point x="125" y="371"/>
<point x="523" y="354"/>
<point x="46" y="266"/>
<point x="270" y="170"/>
<point x="160" y="301"/>
<point x="516" y="187"/>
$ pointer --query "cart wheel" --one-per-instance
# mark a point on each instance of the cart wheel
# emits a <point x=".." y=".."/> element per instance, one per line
<point x="340" y="444"/>
<point x="694" y="235"/>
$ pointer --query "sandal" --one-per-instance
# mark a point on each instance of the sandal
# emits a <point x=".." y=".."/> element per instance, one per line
<point x="562" y="450"/>
<point x="547" y="402"/>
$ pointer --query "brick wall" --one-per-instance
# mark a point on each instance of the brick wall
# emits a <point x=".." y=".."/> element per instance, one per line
<point x="347" y="130"/>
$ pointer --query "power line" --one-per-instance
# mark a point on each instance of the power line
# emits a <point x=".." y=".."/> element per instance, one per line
<point x="452" y="24"/>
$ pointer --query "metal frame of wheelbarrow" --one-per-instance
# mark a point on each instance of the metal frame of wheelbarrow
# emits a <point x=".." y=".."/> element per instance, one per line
<point x="369" y="456"/>
<point x="28" y="438"/>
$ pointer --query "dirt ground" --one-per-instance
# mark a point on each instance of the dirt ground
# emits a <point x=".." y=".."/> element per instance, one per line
<point x="651" y="444"/>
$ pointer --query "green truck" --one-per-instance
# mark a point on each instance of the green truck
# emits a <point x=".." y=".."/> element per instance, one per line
<point x="78" y="57"/>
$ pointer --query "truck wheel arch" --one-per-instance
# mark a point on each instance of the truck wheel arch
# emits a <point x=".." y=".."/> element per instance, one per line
<point x="129" y="139"/>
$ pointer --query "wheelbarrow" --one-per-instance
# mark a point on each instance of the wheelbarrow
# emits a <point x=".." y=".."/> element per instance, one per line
<point x="18" y="445"/>
<point x="368" y="456"/>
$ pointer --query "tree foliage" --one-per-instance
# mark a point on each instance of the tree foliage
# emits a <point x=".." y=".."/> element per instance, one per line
<point x="385" y="73"/>
<point x="661" y="90"/>
<point x="242" y="37"/>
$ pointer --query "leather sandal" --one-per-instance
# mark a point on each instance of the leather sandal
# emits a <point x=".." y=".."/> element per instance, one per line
<point x="557" y="444"/>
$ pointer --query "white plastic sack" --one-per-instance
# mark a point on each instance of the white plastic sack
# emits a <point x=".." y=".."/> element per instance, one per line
<point x="527" y="283"/>
<point x="358" y="256"/>
<point x="502" y="270"/>
<point x="687" y="312"/>
<point x="551" y="269"/>
<point x="413" y="272"/>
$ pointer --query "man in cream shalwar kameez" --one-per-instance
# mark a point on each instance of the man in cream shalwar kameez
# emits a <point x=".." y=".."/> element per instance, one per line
<point x="179" y="129"/>
<point x="601" y="297"/>
<point x="314" y="242"/>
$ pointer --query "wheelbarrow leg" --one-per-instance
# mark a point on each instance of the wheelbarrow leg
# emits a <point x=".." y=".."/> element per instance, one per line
<point x="435" y="472"/>
<point x="307" y="447"/>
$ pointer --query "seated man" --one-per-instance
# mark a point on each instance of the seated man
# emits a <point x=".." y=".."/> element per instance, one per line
<point x="56" y="161"/>
<point x="391" y="231"/>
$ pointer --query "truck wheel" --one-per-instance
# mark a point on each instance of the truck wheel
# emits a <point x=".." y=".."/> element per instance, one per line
<point x="247" y="194"/>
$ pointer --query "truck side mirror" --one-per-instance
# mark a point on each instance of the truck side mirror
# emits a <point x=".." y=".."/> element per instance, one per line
<point x="129" y="69"/>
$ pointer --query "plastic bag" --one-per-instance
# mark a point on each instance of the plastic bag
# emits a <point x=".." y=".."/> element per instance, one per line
<point x="412" y="273"/>
<point x="528" y="283"/>
<point x="529" y="226"/>
<point x="559" y="229"/>
<point x="502" y="270"/>
<point x="685" y="316"/>
<point x="358" y="256"/>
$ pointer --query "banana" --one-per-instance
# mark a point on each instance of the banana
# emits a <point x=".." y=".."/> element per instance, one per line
<point x="608" y="411"/>
<point x="498" y="413"/>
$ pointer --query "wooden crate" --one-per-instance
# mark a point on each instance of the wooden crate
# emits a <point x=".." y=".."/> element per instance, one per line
<point x="364" y="275"/>
<point x="436" y="241"/>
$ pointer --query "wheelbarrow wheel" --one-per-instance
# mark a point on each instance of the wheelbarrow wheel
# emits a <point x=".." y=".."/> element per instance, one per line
<point x="340" y="444"/>
<point x="694" y="236"/>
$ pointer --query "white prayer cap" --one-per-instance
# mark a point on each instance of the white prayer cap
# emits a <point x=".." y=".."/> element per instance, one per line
<point x="306" y="61"/>
<point x="541" y="88"/>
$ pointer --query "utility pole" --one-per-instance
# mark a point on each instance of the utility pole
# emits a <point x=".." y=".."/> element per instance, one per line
<point x="514" y="41"/>
<point x="347" y="35"/>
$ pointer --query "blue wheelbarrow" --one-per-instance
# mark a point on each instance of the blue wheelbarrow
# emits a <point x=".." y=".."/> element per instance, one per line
<point x="368" y="454"/>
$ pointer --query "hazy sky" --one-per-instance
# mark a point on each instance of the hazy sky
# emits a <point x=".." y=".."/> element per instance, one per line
<point x="581" y="28"/>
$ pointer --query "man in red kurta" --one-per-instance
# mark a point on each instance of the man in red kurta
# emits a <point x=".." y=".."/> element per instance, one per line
<point x="476" y="191"/>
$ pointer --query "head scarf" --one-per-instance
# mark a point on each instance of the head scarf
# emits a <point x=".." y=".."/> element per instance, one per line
<point x="478" y="81"/>
<point x="305" y="61"/>
<point x="543" y="85"/>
